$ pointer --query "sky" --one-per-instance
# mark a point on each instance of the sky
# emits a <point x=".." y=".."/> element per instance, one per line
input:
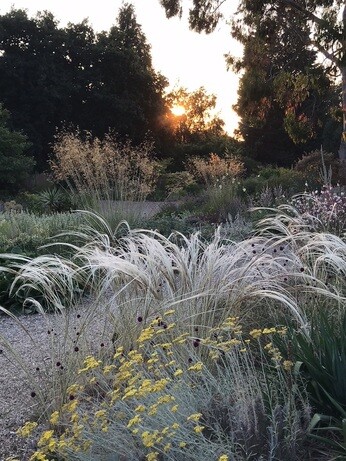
<point x="184" y="57"/>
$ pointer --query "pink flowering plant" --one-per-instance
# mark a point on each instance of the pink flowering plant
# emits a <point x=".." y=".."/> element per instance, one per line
<point x="324" y="210"/>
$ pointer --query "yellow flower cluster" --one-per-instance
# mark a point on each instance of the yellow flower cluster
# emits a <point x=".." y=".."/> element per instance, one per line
<point x="27" y="429"/>
<point x="257" y="333"/>
<point x="224" y="338"/>
<point x="196" y="367"/>
<point x="194" y="417"/>
<point x="90" y="363"/>
<point x="141" y="382"/>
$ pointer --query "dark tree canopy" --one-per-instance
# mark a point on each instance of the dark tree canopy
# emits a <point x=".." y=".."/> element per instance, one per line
<point x="284" y="97"/>
<point x="53" y="77"/>
<point x="316" y="26"/>
<point x="15" y="166"/>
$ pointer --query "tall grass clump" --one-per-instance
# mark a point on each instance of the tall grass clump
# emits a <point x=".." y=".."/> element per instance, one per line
<point x="142" y="273"/>
<point x="103" y="171"/>
<point x="215" y="169"/>
<point x="220" y="177"/>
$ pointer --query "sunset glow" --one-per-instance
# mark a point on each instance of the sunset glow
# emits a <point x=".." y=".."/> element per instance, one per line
<point x="178" y="110"/>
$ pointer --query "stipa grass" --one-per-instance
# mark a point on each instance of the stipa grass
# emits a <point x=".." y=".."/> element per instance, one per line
<point x="181" y="398"/>
<point x="146" y="273"/>
<point x="140" y="276"/>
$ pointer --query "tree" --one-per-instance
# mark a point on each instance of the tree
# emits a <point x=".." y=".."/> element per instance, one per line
<point x="128" y="93"/>
<point x="198" y="120"/>
<point x="31" y="82"/>
<point x="196" y="130"/>
<point x="284" y="97"/>
<point x="52" y="77"/>
<point x="326" y="20"/>
<point x="15" y="166"/>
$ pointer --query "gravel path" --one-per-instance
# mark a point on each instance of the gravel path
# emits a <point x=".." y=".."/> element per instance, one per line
<point x="38" y="342"/>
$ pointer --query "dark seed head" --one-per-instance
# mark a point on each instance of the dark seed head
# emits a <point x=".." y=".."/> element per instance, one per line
<point x="139" y="319"/>
<point x="33" y="394"/>
<point x="58" y="364"/>
<point x="76" y="349"/>
<point x="196" y="342"/>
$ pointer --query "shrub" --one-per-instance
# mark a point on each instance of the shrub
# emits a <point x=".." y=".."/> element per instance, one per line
<point x="311" y="166"/>
<point x="289" y="180"/>
<point x="25" y="232"/>
<point x="15" y="166"/>
<point x="215" y="169"/>
<point x="54" y="200"/>
<point x="175" y="185"/>
<point x="326" y="209"/>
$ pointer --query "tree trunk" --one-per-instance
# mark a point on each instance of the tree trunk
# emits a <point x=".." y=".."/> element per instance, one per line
<point x="342" y="150"/>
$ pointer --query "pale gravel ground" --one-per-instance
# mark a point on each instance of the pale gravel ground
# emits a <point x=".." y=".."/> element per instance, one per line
<point x="16" y="403"/>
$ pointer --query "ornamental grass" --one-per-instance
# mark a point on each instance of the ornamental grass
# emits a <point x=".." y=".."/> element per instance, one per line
<point x="190" y="367"/>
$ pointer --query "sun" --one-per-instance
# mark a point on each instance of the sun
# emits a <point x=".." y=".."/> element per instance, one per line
<point x="178" y="110"/>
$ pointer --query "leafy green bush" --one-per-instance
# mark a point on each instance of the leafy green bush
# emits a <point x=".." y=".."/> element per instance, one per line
<point x="311" y="167"/>
<point x="25" y="232"/>
<point x="15" y="166"/>
<point x="289" y="180"/>
<point x="172" y="186"/>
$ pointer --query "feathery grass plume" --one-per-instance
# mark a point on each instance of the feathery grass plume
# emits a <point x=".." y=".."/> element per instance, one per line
<point x="103" y="171"/>
<point x="136" y="278"/>
<point x="215" y="168"/>
<point x="144" y="273"/>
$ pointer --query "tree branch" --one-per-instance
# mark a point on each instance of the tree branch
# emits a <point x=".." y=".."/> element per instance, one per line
<point x="316" y="19"/>
<point x="325" y="53"/>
